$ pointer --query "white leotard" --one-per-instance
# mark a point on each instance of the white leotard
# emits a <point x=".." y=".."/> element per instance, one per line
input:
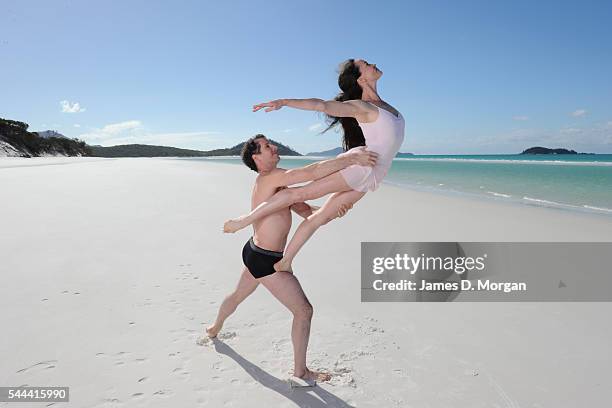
<point x="383" y="136"/>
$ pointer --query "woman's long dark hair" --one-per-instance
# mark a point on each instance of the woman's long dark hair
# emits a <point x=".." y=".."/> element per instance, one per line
<point x="347" y="81"/>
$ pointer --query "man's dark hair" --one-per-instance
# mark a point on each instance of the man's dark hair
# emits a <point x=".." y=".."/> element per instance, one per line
<point x="250" y="148"/>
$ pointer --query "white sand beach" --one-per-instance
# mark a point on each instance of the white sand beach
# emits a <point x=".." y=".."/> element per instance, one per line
<point x="112" y="268"/>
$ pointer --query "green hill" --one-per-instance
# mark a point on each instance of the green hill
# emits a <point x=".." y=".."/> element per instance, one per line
<point x="139" y="150"/>
<point x="30" y="144"/>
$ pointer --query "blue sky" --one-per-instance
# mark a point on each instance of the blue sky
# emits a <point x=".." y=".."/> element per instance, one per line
<point x="469" y="77"/>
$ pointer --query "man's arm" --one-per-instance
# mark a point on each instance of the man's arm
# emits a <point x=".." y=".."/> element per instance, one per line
<point x="323" y="168"/>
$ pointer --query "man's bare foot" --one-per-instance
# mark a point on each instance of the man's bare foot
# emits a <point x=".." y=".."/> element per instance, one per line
<point x="212" y="331"/>
<point x="283" y="266"/>
<point x="315" y="376"/>
<point x="234" y="225"/>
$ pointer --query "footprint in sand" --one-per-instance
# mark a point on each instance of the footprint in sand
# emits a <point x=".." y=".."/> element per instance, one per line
<point x="342" y="371"/>
<point x="204" y="340"/>
<point x="163" y="393"/>
<point x="111" y="402"/>
<point x="143" y="379"/>
<point x="342" y="376"/>
<point x="280" y="345"/>
<point x="43" y="365"/>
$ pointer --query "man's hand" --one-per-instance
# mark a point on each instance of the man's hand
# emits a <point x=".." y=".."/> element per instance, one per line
<point x="271" y="106"/>
<point x="364" y="157"/>
<point x="344" y="209"/>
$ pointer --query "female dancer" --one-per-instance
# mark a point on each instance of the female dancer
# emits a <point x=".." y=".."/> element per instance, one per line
<point x="366" y="120"/>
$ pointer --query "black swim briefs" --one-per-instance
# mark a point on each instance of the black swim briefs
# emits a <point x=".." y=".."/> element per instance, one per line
<point x="259" y="261"/>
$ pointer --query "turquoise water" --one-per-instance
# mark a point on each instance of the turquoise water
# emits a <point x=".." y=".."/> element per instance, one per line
<point x="573" y="182"/>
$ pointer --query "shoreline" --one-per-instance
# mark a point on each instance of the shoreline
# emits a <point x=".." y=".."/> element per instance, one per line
<point x="498" y="198"/>
<point x="491" y="197"/>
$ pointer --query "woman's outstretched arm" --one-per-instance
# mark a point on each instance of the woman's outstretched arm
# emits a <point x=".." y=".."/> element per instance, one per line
<point x="352" y="108"/>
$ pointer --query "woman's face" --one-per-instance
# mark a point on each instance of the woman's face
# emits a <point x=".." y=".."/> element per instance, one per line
<point x="368" y="71"/>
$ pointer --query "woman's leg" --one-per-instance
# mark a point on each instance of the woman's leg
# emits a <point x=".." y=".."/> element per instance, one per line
<point x="284" y="198"/>
<point x="325" y="214"/>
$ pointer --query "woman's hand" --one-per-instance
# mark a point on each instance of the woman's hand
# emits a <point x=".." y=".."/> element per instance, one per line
<point x="270" y="106"/>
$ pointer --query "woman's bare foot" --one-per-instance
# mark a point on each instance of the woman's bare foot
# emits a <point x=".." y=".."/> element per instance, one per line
<point x="283" y="266"/>
<point x="314" y="376"/>
<point x="212" y="331"/>
<point x="234" y="225"/>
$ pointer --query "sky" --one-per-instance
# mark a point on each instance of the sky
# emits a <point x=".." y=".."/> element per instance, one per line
<point x="470" y="77"/>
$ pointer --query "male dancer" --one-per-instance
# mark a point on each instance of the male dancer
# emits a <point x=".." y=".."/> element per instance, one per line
<point x="264" y="249"/>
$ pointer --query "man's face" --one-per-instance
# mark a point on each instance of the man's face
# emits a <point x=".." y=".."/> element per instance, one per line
<point x="268" y="154"/>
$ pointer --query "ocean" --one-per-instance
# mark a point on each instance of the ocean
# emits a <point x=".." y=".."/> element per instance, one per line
<point x="570" y="182"/>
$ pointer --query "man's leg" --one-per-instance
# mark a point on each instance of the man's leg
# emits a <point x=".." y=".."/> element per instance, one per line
<point x="287" y="289"/>
<point x="246" y="285"/>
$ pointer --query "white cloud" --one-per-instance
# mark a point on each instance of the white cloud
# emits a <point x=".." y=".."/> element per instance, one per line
<point x="133" y="132"/>
<point x="287" y="130"/>
<point x="520" y="117"/>
<point x="76" y="125"/>
<point x="315" y="127"/>
<point x="68" y="107"/>
<point x="116" y="128"/>
<point x="571" y="130"/>
<point x="578" y="113"/>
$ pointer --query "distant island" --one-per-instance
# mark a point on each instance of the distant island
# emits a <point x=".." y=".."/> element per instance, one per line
<point x="336" y="151"/>
<point x="16" y="141"/>
<point x="545" y="150"/>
